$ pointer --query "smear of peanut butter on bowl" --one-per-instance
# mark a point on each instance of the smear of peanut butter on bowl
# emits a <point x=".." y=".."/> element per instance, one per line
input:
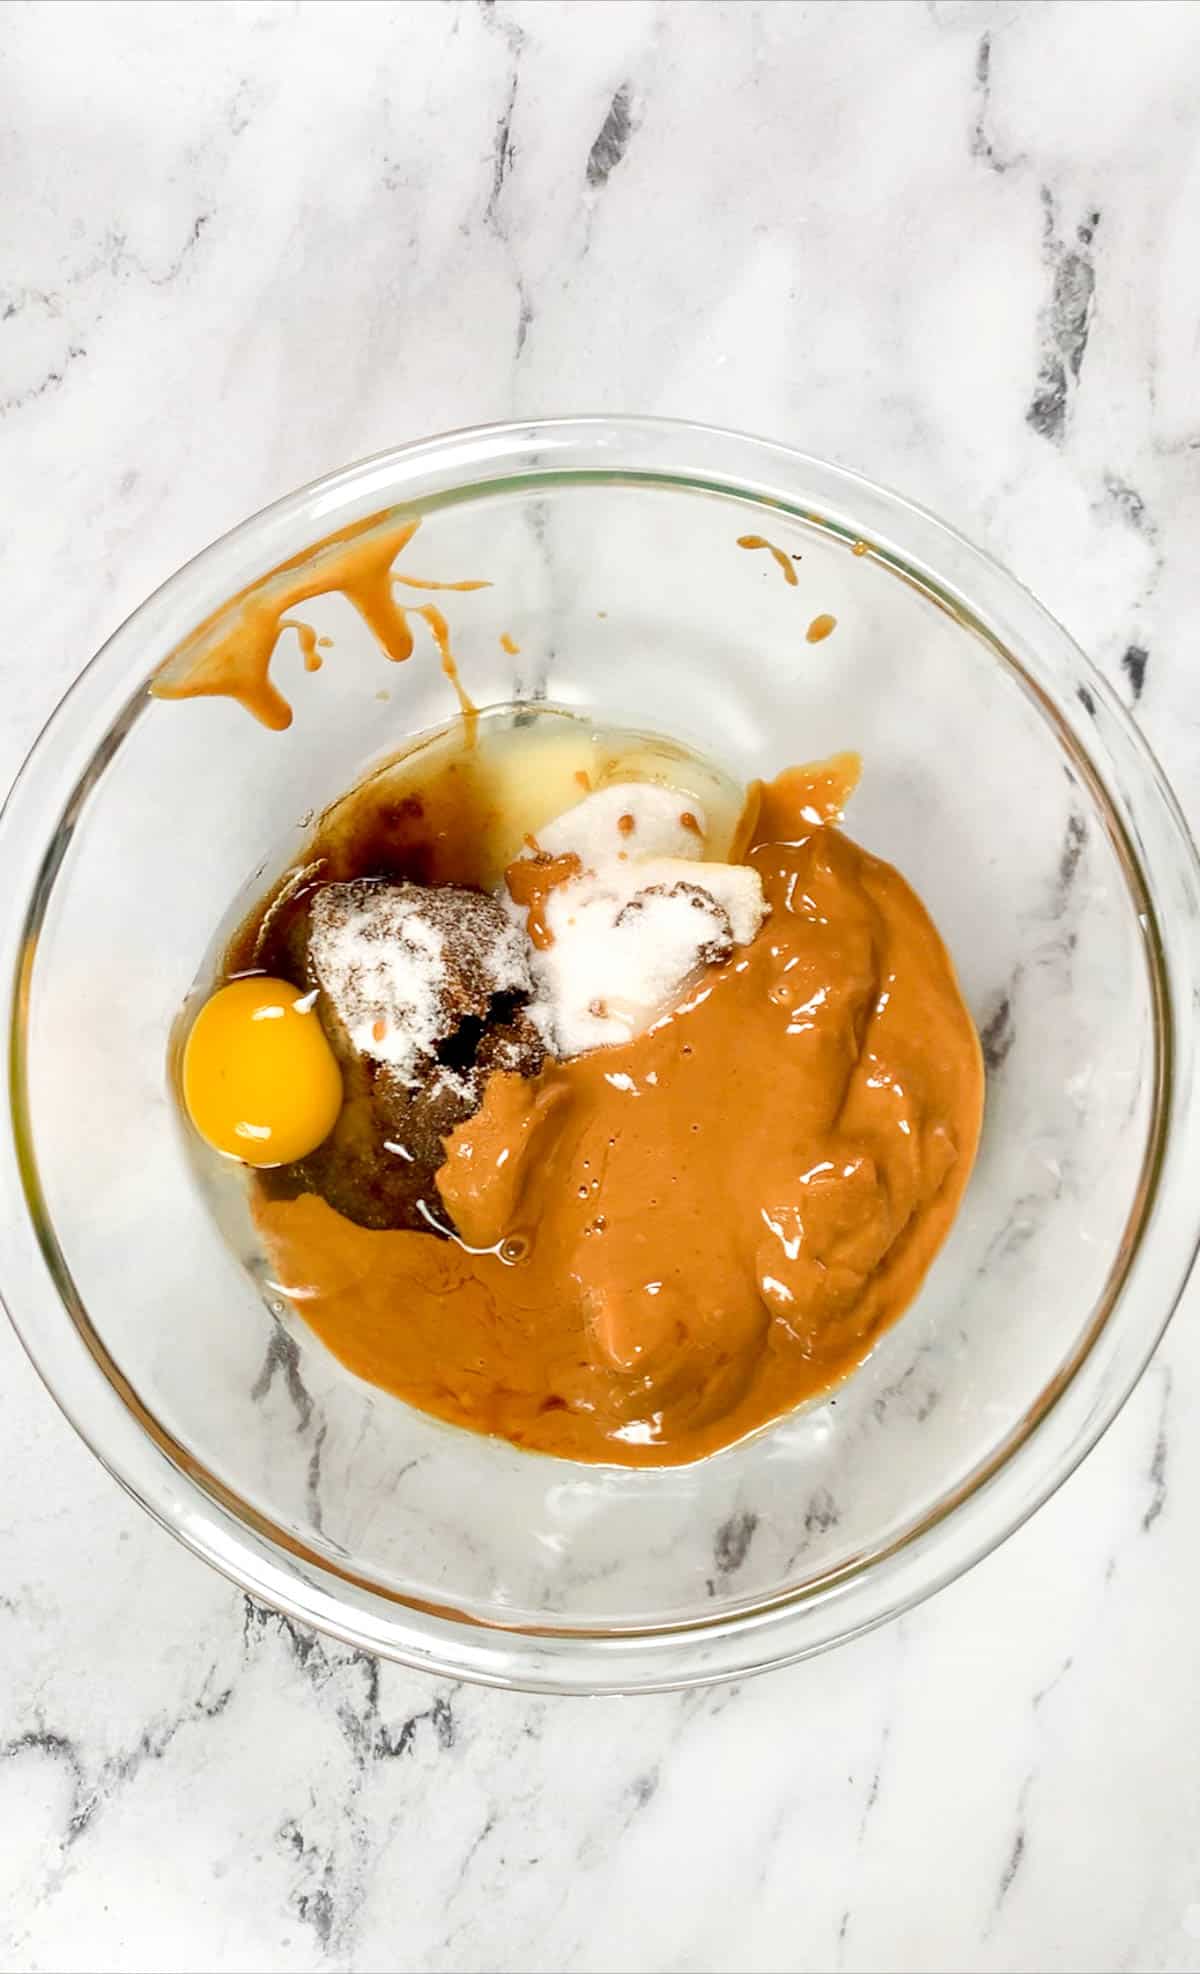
<point x="229" y="655"/>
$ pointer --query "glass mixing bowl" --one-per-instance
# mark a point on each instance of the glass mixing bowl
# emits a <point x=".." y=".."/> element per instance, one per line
<point x="1000" y="776"/>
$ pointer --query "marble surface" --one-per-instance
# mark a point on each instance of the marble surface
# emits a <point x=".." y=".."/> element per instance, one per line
<point x="953" y="245"/>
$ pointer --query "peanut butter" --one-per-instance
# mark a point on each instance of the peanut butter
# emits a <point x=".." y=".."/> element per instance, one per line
<point x="778" y="556"/>
<point x="530" y="881"/>
<point x="665" y="1244"/>
<point x="229" y="655"/>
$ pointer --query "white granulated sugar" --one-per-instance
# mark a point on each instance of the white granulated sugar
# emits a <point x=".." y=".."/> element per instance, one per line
<point x="508" y="959"/>
<point x="628" y="936"/>
<point x="652" y="825"/>
<point x="736" y="887"/>
<point x="400" y="967"/>
<point x="383" y="968"/>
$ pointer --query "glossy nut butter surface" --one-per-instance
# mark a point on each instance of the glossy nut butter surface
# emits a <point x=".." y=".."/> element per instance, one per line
<point x="666" y="1244"/>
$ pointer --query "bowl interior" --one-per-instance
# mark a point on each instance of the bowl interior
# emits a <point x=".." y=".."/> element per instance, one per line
<point x="632" y="603"/>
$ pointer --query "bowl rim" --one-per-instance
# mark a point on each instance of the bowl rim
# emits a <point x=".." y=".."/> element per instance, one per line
<point x="1159" y="861"/>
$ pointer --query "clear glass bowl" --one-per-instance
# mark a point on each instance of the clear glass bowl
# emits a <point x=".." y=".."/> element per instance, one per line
<point x="1000" y="776"/>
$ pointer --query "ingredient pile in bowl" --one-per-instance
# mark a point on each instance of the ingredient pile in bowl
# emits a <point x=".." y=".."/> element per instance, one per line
<point x="585" y="1100"/>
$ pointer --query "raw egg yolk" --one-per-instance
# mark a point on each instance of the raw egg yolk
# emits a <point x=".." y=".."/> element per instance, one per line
<point x="260" y="1081"/>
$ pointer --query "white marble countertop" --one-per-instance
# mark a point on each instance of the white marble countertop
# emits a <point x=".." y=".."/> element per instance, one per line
<point x="953" y="245"/>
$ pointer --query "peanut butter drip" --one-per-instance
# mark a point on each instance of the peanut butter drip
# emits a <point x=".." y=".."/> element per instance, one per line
<point x="666" y="1244"/>
<point x="777" y="555"/>
<point x="530" y="880"/>
<point x="229" y="655"/>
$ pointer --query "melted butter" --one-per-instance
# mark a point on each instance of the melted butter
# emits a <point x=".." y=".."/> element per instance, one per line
<point x="667" y="1244"/>
<point x="229" y="655"/>
<point x="464" y="815"/>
